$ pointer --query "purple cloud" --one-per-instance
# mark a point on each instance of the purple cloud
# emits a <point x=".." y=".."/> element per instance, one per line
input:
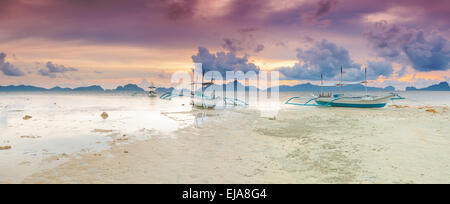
<point x="259" y="48"/>
<point x="322" y="9"/>
<point x="232" y="45"/>
<point x="8" y="69"/>
<point x="53" y="69"/>
<point x="223" y="62"/>
<point x="184" y="22"/>
<point x="47" y="73"/>
<point x="325" y="58"/>
<point x="180" y="9"/>
<point x="246" y="43"/>
<point x="425" y="52"/>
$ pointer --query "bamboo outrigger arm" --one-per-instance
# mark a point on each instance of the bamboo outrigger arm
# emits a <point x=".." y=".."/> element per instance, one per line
<point x="310" y="100"/>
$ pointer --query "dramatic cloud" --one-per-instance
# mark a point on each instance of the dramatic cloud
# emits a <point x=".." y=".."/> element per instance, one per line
<point x="186" y="22"/>
<point x="53" y="69"/>
<point x="8" y="69"/>
<point x="324" y="58"/>
<point x="170" y="29"/>
<point x="428" y="54"/>
<point x="223" y="62"/>
<point x="425" y="52"/>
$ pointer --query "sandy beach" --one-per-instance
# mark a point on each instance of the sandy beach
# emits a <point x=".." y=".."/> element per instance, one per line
<point x="154" y="141"/>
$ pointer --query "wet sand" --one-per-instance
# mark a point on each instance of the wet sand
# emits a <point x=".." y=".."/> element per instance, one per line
<point x="303" y="145"/>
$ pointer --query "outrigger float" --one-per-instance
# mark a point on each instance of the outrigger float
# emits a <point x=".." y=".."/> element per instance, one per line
<point x="341" y="100"/>
<point x="201" y="99"/>
<point x="169" y="95"/>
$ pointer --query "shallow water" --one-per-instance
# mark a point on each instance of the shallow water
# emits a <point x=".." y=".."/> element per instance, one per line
<point x="298" y="145"/>
<point x="64" y="124"/>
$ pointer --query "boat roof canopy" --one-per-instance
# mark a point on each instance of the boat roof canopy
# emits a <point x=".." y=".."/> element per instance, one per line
<point x="204" y="83"/>
<point x="340" y="84"/>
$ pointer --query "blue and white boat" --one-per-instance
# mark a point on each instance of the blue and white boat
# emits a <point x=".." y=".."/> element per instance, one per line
<point x="342" y="100"/>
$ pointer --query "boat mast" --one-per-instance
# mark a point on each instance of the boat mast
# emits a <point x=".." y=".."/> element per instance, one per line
<point x="365" y="79"/>
<point x="321" y="83"/>
<point x="341" y="84"/>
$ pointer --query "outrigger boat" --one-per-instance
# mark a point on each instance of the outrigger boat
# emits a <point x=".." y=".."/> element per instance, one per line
<point x="152" y="91"/>
<point x="341" y="100"/>
<point x="202" y="96"/>
<point x="204" y="100"/>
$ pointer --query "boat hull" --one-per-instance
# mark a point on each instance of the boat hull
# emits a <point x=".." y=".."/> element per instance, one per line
<point x="354" y="102"/>
<point x="204" y="103"/>
<point x="353" y="105"/>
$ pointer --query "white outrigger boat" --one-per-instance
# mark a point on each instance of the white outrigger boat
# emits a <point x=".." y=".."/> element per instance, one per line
<point x="201" y="99"/>
<point x="152" y="91"/>
<point x="203" y="94"/>
<point x="341" y="100"/>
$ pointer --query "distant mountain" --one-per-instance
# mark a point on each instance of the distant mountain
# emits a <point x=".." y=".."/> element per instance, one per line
<point x="411" y="88"/>
<point x="20" y="88"/>
<point x="311" y="87"/>
<point x="89" y="88"/>
<point x="164" y="90"/>
<point x="389" y="88"/>
<point x="129" y="87"/>
<point x="23" y="88"/>
<point x="443" y="86"/>
<point x="238" y="86"/>
<point x="57" y="88"/>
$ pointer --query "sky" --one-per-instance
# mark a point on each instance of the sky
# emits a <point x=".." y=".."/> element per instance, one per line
<point x="71" y="43"/>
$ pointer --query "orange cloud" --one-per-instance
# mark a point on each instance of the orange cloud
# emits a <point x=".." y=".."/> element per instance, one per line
<point x="434" y="76"/>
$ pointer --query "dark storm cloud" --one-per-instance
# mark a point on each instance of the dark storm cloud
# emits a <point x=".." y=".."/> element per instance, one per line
<point x="8" y="69"/>
<point x="223" y="62"/>
<point x="323" y="58"/>
<point x="425" y="52"/>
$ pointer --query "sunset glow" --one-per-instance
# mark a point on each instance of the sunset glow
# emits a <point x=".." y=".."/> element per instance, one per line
<point x="115" y="42"/>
